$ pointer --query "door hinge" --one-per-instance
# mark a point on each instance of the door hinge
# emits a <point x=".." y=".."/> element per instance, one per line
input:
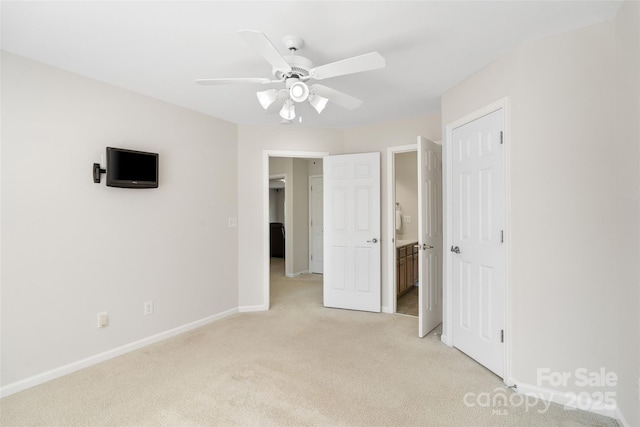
<point x="311" y="188"/>
<point x="501" y="335"/>
<point x="312" y="223"/>
<point x="501" y="236"/>
<point x="312" y="257"/>
<point x="501" y="137"/>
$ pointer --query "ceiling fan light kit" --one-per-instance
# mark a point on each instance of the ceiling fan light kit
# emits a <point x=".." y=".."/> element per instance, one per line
<point x="299" y="91"/>
<point x="295" y="71"/>
<point x="267" y="97"/>
<point x="288" y="111"/>
<point x="318" y="102"/>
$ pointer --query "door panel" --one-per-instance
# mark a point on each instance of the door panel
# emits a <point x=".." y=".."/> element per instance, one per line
<point x="429" y="235"/>
<point x="352" y="231"/>
<point x="478" y="218"/>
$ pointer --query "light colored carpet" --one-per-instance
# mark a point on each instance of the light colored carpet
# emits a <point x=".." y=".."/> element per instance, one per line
<point x="297" y="364"/>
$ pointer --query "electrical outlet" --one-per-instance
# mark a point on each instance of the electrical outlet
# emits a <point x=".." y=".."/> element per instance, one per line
<point x="103" y="319"/>
<point x="407" y="219"/>
<point x="233" y="222"/>
<point x="148" y="308"/>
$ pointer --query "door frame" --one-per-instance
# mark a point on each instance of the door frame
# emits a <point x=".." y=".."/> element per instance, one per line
<point x="311" y="239"/>
<point x="447" y="229"/>
<point x="266" y="281"/>
<point x="391" y="224"/>
<point x="287" y="261"/>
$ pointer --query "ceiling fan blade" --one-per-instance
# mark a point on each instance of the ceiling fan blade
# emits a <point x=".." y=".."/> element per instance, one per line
<point x="235" y="80"/>
<point x="265" y="48"/>
<point x="356" y="64"/>
<point x="337" y="97"/>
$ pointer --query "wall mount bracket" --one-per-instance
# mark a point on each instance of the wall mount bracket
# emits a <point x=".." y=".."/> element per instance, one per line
<point x="97" y="172"/>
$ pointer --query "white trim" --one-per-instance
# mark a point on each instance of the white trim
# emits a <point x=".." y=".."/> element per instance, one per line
<point x="619" y="416"/>
<point x="58" y="372"/>
<point x="300" y="273"/>
<point x="565" y="398"/>
<point x="252" y="308"/>
<point x="309" y="221"/>
<point x="447" y="332"/>
<point x="265" y="210"/>
<point x="391" y="223"/>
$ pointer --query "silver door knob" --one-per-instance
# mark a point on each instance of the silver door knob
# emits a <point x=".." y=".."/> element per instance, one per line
<point x="455" y="249"/>
<point x="424" y="246"/>
<point x="374" y="240"/>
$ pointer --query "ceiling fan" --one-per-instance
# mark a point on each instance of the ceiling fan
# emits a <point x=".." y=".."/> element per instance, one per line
<point x="295" y="71"/>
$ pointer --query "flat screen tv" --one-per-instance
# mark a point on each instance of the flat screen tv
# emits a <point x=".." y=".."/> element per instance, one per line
<point x="131" y="169"/>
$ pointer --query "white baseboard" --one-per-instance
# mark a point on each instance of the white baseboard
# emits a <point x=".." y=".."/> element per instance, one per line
<point x="52" y="374"/>
<point x="621" y="419"/>
<point x="252" y="308"/>
<point x="386" y="309"/>
<point x="291" y="276"/>
<point x="566" y="399"/>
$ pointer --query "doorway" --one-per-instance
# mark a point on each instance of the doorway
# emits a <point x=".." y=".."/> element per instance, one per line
<point x="406" y="232"/>
<point x="392" y="250"/>
<point x="294" y="170"/>
<point x="414" y="179"/>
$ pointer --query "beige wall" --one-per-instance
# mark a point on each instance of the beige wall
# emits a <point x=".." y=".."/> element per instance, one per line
<point x="300" y="216"/>
<point x="276" y="205"/>
<point x="571" y="203"/>
<point x="626" y="151"/>
<point x="406" y="171"/>
<point x="72" y="248"/>
<point x="315" y="167"/>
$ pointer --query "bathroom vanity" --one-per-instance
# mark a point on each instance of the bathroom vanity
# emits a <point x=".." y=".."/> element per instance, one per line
<point x="406" y="265"/>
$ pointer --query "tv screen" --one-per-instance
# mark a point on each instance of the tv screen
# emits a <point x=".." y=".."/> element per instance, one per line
<point x="131" y="169"/>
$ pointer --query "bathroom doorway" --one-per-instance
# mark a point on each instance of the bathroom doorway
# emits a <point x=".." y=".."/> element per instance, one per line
<point x="406" y="232"/>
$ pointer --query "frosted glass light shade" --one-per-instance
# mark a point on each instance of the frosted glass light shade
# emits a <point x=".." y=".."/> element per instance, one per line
<point x="288" y="111"/>
<point x="318" y="102"/>
<point x="267" y="97"/>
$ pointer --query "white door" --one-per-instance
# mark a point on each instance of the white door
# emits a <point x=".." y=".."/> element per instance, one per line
<point x="478" y="255"/>
<point x="352" y="231"/>
<point x="429" y="235"/>
<point x="315" y="224"/>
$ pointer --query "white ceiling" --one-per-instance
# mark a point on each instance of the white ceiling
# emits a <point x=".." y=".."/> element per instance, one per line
<point x="158" y="48"/>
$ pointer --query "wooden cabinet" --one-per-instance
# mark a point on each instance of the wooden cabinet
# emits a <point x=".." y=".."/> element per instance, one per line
<point x="406" y="268"/>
